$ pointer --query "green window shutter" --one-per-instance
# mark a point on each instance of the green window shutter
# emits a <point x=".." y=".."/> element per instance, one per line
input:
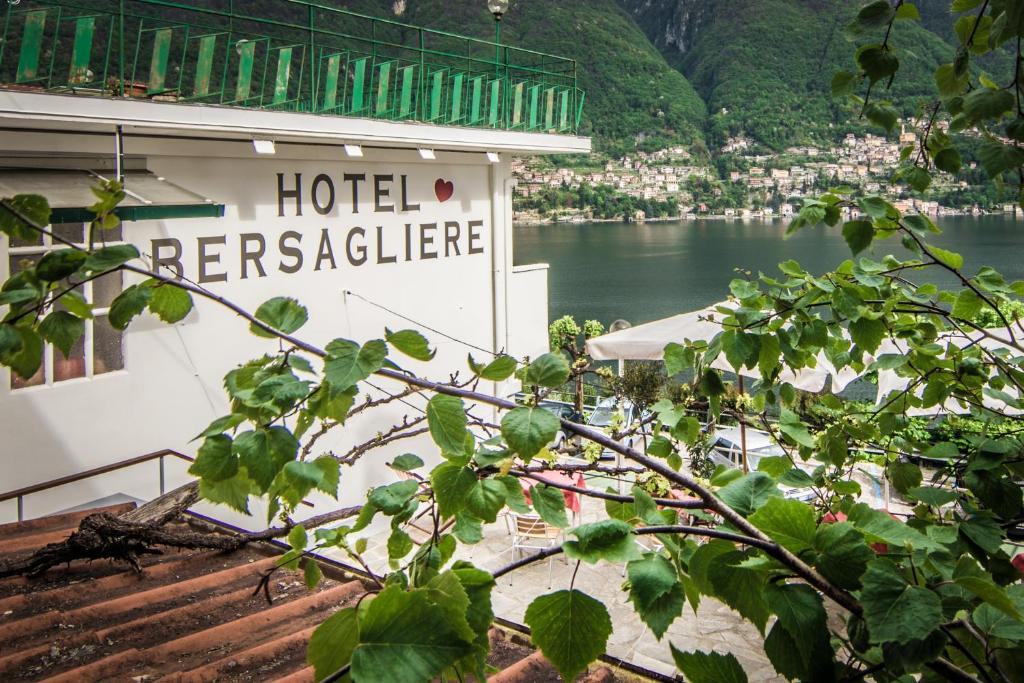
<point x="359" y="85"/>
<point x="534" y="106"/>
<point x="406" y="78"/>
<point x="330" y="100"/>
<point x="494" y="106"/>
<point x="204" y="65"/>
<point x="158" y="65"/>
<point x="455" y="115"/>
<point x="246" y="57"/>
<point x="549" y="109"/>
<point x="81" y="50"/>
<point x="477" y="101"/>
<point x="517" y="105"/>
<point x="563" y="116"/>
<point x="436" y="95"/>
<point x="31" y="43"/>
<point x="284" y="70"/>
<point x="383" y="88"/>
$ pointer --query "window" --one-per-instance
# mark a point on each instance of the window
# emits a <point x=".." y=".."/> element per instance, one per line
<point x="100" y="349"/>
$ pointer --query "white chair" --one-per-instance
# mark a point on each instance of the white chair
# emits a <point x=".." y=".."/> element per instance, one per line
<point x="530" y="532"/>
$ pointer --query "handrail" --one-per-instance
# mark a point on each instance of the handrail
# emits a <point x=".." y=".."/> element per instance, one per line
<point x="20" y="494"/>
<point x="88" y="474"/>
<point x="331" y="62"/>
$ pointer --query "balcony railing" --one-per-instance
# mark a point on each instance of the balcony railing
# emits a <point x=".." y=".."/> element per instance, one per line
<point x="284" y="55"/>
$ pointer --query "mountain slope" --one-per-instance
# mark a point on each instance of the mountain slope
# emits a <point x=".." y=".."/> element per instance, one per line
<point x="630" y="88"/>
<point x="764" y="66"/>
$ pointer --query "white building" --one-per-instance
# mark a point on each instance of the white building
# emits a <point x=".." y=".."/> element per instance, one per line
<point x="377" y="218"/>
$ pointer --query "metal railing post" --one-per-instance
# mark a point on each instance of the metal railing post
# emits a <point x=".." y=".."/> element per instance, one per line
<point x="163" y="485"/>
<point x="21" y="508"/>
<point x="120" y="43"/>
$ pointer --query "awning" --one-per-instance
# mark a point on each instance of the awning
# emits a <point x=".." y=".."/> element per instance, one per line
<point x="147" y="196"/>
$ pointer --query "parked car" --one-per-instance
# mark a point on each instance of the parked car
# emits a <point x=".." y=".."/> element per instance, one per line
<point x="604" y="415"/>
<point x="726" y="449"/>
<point x="563" y="411"/>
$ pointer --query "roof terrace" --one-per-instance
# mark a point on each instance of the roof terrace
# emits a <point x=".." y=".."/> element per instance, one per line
<point x="286" y="55"/>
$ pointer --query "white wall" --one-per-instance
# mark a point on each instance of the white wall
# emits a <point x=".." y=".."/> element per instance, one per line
<point x="170" y="388"/>
<point x="528" y="311"/>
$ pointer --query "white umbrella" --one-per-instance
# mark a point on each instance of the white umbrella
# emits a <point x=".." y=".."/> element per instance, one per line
<point x="889" y="381"/>
<point x="648" y="341"/>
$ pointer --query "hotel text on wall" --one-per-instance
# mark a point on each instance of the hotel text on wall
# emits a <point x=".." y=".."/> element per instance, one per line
<point x="339" y="217"/>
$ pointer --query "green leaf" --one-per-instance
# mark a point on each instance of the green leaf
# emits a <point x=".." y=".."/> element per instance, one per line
<point x="403" y="636"/>
<point x="10" y="340"/>
<point x="894" y="610"/>
<point x="948" y="82"/>
<point x="62" y="329"/>
<point x="996" y="157"/>
<point x="33" y="207"/>
<point x="929" y="495"/>
<point x="170" y="303"/>
<point x="791" y="425"/>
<point x="129" y="304"/>
<point x="983" y="104"/>
<point x="282" y="313"/>
<point x="948" y="160"/>
<point x="24" y="356"/>
<point x="391" y="499"/>
<point x="549" y="503"/>
<point x="399" y="545"/>
<point x="108" y="258"/>
<point x="452" y="484"/>
<point x="843" y="555"/>
<point x="903" y="475"/>
<point x="709" y="667"/>
<point x="677" y="359"/>
<point x="446" y="417"/>
<point x="498" y="370"/>
<point x="611" y="540"/>
<point x="882" y="115"/>
<point x="407" y="462"/>
<point x="331" y="644"/>
<point x="798" y="645"/>
<point x="411" y="343"/>
<point x="347" y="364"/>
<point x="57" y="265"/>
<point x="550" y="370"/>
<point x="570" y="628"/>
<point x="876" y="62"/>
<point x="949" y="258"/>
<point x="880" y="526"/>
<point x="858" y="235"/>
<point x="215" y="460"/>
<point x="486" y="499"/>
<point x="790" y="523"/>
<point x="311" y="574"/>
<point x="876" y="207"/>
<point x="908" y="12"/>
<point x="867" y="333"/>
<point x="527" y="430"/>
<point x="264" y="452"/>
<point x="221" y="424"/>
<point x="233" y="492"/>
<point x="996" y="622"/>
<point x="843" y="83"/>
<point x="749" y="492"/>
<point x="918" y="178"/>
<point x="656" y="592"/>
<point x="968" y="305"/>
<point x="875" y="15"/>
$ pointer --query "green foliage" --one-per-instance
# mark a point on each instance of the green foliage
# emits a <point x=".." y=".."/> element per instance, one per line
<point x="570" y="628"/>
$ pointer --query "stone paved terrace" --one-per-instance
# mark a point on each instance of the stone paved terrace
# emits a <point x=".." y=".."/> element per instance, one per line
<point x="715" y="626"/>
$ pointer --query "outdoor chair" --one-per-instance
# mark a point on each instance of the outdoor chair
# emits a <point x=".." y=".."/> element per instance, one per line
<point x="530" y="532"/>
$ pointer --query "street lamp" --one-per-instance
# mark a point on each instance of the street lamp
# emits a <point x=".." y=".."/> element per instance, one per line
<point x="498" y="9"/>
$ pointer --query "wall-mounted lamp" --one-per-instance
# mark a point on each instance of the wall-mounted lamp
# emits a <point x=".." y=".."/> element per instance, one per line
<point x="493" y="157"/>
<point x="263" y="146"/>
<point x="353" y="150"/>
<point x="427" y="154"/>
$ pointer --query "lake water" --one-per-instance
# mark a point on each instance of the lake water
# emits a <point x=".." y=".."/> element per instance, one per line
<point x="645" y="271"/>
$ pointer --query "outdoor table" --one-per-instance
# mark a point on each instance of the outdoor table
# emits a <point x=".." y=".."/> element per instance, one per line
<point x="572" y="499"/>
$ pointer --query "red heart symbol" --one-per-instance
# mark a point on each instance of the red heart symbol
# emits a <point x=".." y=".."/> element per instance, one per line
<point x="444" y="189"/>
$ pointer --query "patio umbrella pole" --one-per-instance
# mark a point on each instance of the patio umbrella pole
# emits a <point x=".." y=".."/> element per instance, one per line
<point x="743" y="428"/>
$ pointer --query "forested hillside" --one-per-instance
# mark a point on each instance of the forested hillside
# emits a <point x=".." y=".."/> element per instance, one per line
<point x="764" y="66"/>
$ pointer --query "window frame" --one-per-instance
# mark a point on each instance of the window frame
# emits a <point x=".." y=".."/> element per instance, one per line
<point x="88" y="340"/>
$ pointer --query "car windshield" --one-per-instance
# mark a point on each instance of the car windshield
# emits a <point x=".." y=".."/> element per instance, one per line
<point x="602" y="416"/>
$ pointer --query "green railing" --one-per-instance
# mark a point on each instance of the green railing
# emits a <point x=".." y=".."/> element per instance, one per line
<point x="290" y="55"/>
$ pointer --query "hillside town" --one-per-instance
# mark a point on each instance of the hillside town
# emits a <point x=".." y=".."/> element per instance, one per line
<point x="740" y="181"/>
